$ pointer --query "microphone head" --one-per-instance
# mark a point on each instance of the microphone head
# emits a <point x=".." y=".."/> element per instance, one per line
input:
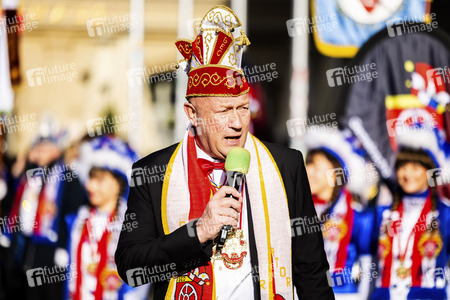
<point x="238" y="160"/>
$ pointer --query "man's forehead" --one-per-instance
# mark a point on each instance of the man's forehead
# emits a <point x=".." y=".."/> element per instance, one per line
<point x="220" y="101"/>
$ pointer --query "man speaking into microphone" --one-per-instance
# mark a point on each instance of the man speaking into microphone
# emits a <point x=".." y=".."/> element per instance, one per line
<point x="180" y="219"/>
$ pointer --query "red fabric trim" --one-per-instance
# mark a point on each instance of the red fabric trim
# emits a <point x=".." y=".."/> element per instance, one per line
<point x="216" y="81"/>
<point x="14" y="214"/>
<point x="223" y="42"/>
<point x="343" y="245"/>
<point x="416" y="257"/>
<point x="197" y="48"/>
<point x="200" y="193"/>
<point x="40" y="212"/>
<point x="184" y="47"/>
<point x="102" y="248"/>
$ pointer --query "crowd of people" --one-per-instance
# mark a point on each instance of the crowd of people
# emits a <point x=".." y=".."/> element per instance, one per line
<point x="74" y="225"/>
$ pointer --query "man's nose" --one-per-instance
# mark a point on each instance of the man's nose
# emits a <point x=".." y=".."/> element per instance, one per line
<point x="234" y="120"/>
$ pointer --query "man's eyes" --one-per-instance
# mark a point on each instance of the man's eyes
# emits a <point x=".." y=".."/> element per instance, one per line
<point x="242" y="108"/>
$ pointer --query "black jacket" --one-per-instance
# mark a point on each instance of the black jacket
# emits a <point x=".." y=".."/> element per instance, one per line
<point x="146" y="244"/>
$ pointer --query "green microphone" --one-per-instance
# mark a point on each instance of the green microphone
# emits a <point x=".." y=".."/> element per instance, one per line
<point x="236" y="166"/>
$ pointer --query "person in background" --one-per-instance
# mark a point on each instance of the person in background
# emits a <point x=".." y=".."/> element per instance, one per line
<point x="94" y="230"/>
<point x="47" y="191"/>
<point x="335" y="171"/>
<point x="414" y="232"/>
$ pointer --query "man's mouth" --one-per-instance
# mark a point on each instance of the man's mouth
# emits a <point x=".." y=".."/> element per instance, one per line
<point x="233" y="139"/>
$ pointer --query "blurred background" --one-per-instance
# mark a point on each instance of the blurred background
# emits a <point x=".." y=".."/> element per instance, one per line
<point x="71" y="71"/>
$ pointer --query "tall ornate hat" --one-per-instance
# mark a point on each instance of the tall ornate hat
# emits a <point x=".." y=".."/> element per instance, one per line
<point x="213" y="60"/>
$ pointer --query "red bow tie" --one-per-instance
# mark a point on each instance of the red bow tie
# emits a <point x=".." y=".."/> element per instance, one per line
<point x="208" y="166"/>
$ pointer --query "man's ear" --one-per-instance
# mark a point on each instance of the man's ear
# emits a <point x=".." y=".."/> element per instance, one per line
<point x="191" y="113"/>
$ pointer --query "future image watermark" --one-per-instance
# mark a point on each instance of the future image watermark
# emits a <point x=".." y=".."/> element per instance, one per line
<point x="116" y="224"/>
<point x="346" y="275"/>
<point x="18" y="123"/>
<point x="147" y="175"/>
<point x="349" y="75"/>
<point x="346" y="175"/>
<point x="49" y="275"/>
<point x="157" y="273"/>
<point x="111" y="124"/>
<point x="51" y="74"/>
<point x="437" y="177"/>
<point x="259" y="73"/>
<point x="400" y="26"/>
<point x="306" y="25"/>
<point x="110" y="25"/>
<point x="400" y="126"/>
<point x="18" y="23"/>
<point x="440" y="76"/>
<point x="146" y="75"/>
<point x="11" y="225"/>
<point x="310" y="225"/>
<point x="59" y="172"/>
<point x="395" y="227"/>
<point x="299" y="126"/>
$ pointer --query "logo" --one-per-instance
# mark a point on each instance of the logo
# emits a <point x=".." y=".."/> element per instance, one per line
<point x="440" y="76"/>
<point x="352" y="74"/>
<point x="335" y="77"/>
<point x="35" y="277"/>
<point x="188" y="292"/>
<point x="434" y="177"/>
<point x="95" y="27"/>
<point x="136" y="277"/>
<point x="35" y="77"/>
<point x="337" y="173"/>
<point x="136" y="77"/>
<point x="94" y="127"/>
<point x="136" y="176"/>
<point x="400" y="26"/>
<point x="35" y="177"/>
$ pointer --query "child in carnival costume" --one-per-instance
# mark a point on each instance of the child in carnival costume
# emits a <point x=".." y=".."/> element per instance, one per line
<point x="94" y="231"/>
<point x="337" y="173"/>
<point x="414" y="237"/>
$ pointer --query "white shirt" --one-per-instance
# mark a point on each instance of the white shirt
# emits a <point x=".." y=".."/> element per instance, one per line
<point x="238" y="283"/>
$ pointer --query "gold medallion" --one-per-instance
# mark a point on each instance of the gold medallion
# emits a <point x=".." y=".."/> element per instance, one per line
<point x="403" y="272"/>
<point x="92" y="268"/>
<point x="234" y="250"/>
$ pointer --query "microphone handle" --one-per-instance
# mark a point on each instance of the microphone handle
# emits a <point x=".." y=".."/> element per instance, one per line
<point x="234" y="180"/>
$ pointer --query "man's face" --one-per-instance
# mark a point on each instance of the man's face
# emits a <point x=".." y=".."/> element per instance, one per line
<point x="221" y="123"/>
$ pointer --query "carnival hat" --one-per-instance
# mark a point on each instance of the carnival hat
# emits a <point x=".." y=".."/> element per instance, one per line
<point x="213" y="60"/>
<point x="106" y="152"/>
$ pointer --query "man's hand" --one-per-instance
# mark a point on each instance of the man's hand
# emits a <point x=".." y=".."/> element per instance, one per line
<point x="219" y="211"/>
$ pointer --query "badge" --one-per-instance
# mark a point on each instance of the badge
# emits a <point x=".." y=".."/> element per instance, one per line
<point x="110" y="279"/>
<point x="336" y="230"/>
<point x="92" y="268"/>
<point x="384" y="247"/>
<point x="234" y="250"/>
<point x="430" y="244"/>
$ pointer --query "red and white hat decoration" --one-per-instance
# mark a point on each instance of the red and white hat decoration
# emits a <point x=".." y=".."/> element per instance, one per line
<point x="213" y="60"/>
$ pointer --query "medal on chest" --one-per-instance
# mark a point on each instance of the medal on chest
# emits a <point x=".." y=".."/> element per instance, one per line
<point x="430" y="244"/>
<point x="336" y="230"/>
<point x="109" y="278"/>
<point x="233" y="251"/>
